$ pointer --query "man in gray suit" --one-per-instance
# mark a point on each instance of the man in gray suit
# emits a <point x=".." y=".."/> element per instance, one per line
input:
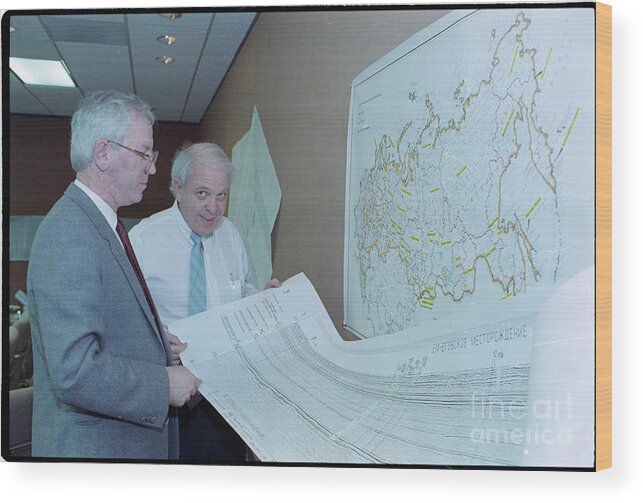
<point x="104" y="381"/>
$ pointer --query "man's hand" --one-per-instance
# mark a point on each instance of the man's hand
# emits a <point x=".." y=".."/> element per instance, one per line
<point x="183" y="385"/>
<point x="273" y="283"/>
<point x="177" y="347"/>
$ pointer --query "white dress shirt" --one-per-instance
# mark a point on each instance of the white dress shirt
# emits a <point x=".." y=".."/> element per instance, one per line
<point x="162" y="245"/>
<point x="104" y="208"/>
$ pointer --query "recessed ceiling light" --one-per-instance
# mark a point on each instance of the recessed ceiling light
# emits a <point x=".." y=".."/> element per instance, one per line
<point x="165" y="59"/>
<point x="171" y="15"/>
<point x="167" y="39"/>
<point x="41" y="72"/>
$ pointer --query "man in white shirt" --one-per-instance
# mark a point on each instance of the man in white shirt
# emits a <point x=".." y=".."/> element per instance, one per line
<point x="166" y="244"/>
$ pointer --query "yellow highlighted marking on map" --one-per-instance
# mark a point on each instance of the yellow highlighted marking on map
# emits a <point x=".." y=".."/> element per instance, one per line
<point x="542" y="75"/>
<point x="432" y="233"/>
<point x="464" y="168"/>
<point x="508" y="121"/>
<point x="415" y="239"/>
<point x="444" y="243"/>
<point x="435" y="190"/>
<point x="506" y="296"/>
<point x="426" y="302"/>
<point x="426" y="146"/>
<point x="404" y="130"/>
<point x="407" y="250"/>
<point x="427" y="307"/>
<point x="514" y="60"/>
<point x="404" y="191"/>
<point x="490" y="251"/>
<point x="533" y="207"/>
<point x="469" y="271"/>
<point x="492" y="222"/>
<point x="400" y="208"/>
<point x="390" y="193"/>
<point x="571" y="126"/>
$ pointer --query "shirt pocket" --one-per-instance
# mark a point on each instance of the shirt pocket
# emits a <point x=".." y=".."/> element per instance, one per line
<point x="235" y="284"/>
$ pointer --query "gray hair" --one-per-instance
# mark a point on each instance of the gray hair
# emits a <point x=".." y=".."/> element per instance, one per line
<point x="103" y="115"/>
<point x="205" y="154"/>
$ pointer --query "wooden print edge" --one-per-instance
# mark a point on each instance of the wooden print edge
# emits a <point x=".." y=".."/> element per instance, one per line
<point x="603" y="368"/>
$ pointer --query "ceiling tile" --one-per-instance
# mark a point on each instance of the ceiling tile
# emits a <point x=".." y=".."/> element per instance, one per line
<point x="108" y="18"/>
<point x="22" y="101"/>
<point x="166" y="87"/>
<point x="79" y="29"/>
<point x="61" y="101"/>
<point x="30" y="39"/>
<point x="228" y="32"/>
<point x="96" y="66"/>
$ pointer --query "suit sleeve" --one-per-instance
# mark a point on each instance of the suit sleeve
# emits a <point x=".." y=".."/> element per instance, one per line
<point x="67" y="285"/>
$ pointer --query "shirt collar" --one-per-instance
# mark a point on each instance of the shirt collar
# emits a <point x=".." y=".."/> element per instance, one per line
<point x="103" y="207"/>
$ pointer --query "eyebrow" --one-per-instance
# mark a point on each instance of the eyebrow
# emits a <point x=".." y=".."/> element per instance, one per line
<point x="211" y="189"/>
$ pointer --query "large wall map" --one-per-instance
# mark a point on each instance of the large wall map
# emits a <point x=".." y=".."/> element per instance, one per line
<point x="470" y="183"/>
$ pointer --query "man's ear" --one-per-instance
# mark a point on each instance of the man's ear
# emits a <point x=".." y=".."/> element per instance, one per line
<point x="100" y="154"/>
<point x="176" y="186"/>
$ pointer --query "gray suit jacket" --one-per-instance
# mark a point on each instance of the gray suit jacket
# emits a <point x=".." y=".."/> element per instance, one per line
<point x="100" y="385"/>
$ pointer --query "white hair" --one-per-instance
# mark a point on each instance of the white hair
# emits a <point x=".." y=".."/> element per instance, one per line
<point x="205" y="154"/>
<point x="103" y="115"/>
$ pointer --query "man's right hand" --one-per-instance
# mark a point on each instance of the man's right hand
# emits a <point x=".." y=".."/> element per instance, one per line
<point x="183" y="385"/>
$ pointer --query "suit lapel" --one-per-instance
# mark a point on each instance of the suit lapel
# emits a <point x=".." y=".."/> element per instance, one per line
<point x="116" y="248"/>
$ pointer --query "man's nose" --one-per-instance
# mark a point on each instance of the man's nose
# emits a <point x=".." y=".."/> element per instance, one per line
<point x="211" y="205"/>
<point x="151" y="169"/>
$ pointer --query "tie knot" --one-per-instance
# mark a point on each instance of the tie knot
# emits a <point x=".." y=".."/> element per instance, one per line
<point x="196" y="239"/>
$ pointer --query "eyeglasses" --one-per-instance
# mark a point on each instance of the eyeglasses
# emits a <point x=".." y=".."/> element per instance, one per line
<point x="150" y="158"/>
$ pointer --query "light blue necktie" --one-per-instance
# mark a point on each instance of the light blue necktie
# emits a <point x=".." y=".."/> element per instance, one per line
<point x="197" y="301"/>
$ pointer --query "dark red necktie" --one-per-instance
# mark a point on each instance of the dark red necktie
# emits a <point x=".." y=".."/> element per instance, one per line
<point x="122" y="233"/>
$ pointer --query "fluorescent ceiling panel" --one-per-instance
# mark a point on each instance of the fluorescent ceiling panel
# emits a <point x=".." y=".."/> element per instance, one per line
<point x="41" y="72"/>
